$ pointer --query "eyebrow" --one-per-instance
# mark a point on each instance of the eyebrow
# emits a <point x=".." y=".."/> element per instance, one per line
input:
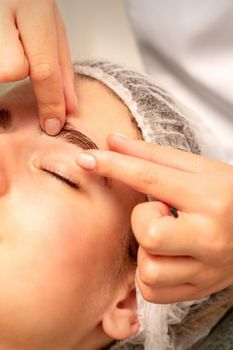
<point x="68" y="132"/>
<point x="75" y="137"/>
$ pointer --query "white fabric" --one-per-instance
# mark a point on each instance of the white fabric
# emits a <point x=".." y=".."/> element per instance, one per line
<point x="187" y="46"/>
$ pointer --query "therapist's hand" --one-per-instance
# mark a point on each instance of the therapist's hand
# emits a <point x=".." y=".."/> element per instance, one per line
<point x="33" y="43"/>
<point x="182" y="258"/>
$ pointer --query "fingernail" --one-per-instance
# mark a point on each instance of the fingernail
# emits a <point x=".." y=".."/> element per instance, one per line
<point x="86" y="161"/>
<point x="52" y="126"/>
<point x="118" y="134"/>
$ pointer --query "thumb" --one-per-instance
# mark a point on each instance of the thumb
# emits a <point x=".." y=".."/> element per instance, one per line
<point x="145" y="213"/>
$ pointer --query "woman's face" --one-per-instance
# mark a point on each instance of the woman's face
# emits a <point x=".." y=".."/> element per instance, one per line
<point x="59" y="241"/>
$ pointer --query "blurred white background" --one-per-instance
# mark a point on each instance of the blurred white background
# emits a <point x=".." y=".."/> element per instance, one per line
<point x="99" y="29"/>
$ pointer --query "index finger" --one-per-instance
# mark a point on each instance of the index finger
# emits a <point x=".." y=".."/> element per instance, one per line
<point x="179" y="189"/>
<point x="42" y="54"/>
<point x="167" y="156"/>
<point x="13" y="63"/>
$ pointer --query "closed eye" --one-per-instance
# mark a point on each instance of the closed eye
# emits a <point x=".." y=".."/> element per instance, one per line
<point x="62" y="178"/>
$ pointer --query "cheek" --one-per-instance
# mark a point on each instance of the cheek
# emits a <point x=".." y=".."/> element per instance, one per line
<point x="53" y="260"/>
<point x="45" y="265"/>
<point x="56" y="235"/>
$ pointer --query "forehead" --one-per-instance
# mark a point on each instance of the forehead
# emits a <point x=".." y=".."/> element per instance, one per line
<point x="99" y="111"/>
<point x="102" y="110"/>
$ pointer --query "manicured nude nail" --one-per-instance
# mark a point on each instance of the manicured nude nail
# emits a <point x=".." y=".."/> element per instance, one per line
<point x="52" y="126"/>
<point x="86" y="161"/>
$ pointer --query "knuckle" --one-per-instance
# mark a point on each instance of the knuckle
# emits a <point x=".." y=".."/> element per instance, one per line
<point x="42" y="71"/>
<point x="147" y="228"/>
<point x="136" y="220"/>
<point x="149" y="275"/>
<point x="13" y="73"/>
<point x="213" y="243"/>
<point x="153" y="239"/>
<point x="148" y="294"/>
<point x="221" y="202"/>
<point x="147" y="177"/>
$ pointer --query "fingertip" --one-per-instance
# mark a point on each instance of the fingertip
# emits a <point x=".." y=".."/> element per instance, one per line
<point x="52" y="126"/>
<point x="86" y="161"/>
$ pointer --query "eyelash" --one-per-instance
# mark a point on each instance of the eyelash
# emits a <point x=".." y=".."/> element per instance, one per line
<point x="62" y="178"/>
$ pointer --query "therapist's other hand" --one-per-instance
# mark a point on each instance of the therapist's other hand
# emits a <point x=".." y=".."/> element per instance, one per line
<point x="33" y="43"/>
<point x="182" y="258"/>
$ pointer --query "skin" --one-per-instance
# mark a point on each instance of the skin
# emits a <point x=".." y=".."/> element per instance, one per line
<point x="59" y="245"/>
<point x="182" y="258"/>
<point x="45" y="60"/>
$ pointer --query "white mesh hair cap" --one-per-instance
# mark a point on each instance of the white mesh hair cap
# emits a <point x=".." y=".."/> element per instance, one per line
<point x="163" y="121"/>
<point x="156" y="113"/>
